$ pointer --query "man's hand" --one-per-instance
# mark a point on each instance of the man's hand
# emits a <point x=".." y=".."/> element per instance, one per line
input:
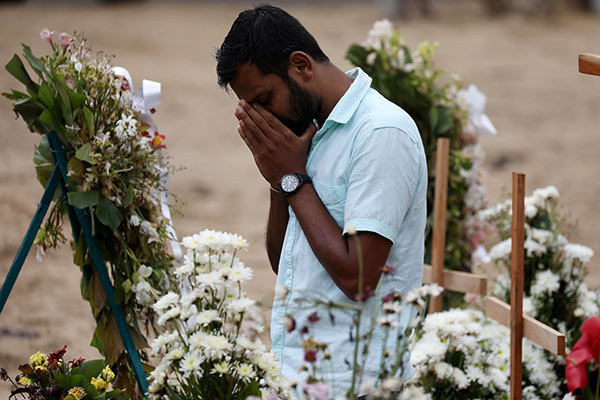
<point x="276" y="149"/>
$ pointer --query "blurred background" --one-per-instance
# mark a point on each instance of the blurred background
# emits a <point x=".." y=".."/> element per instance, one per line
<point x="522" y="54"/>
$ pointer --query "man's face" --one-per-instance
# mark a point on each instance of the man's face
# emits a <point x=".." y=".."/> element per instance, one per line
<point x="293" y="105"/>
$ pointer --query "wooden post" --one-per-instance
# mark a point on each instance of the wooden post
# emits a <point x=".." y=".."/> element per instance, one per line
<point x="517" y="260"/>
<point x="438" y="244"/>
<point x="589" y="64"/>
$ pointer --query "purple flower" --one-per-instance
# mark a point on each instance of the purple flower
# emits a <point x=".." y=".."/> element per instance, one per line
<point x="46" y="35"/>
<point x="316" y="391"/>
<point x="65" y="40"/>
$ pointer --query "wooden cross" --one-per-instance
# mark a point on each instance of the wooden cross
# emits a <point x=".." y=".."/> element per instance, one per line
<point x="453" y="280"/>
<point x="512" y="316"/>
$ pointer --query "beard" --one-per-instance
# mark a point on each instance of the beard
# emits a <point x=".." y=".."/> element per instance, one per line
<point x="304" y="107"/>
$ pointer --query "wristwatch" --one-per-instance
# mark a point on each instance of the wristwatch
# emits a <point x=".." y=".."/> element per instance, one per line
<point x="290" y="183"/>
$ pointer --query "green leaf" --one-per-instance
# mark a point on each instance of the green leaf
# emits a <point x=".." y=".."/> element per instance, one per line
<point x="128" y="197"/>
<point x="89" y="119"/>
<point x="28" y="109"/>
<point x="35" y="62"/>
<point x="357" y="55"/>
<point x="16" y="95"/>
<point x="91" y="369"/>
<point x="16" y="68"/>
<point x="108" y="214"/>
<point x="84" y="199"/>
<point x="80" y="251"/>
<point x="77" y="100"/>
<point x="84" y="153"/>
<point x="46" y="96"/>
<point x="433" y="119"/>
<point x="445" y="120"/>
<point x="43" y="153"/>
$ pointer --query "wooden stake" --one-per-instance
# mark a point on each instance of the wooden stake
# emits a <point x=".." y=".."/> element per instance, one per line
<point x="589" y="64"/>
<point x="516" y="288"/>
<point x="439" y="219"/>
<point x="550" y="339"/>
<point x="458" y="281"/>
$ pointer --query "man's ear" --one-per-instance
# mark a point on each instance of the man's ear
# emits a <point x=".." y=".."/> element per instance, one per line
<point x="301" y="66"/>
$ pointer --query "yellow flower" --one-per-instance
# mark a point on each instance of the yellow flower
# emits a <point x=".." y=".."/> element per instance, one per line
<point x="76" y="393"/>
<point x="99" y="383"/>
<point x="25" y="381"/>
<point x="107" y="374"/>
<point x="38" y="359"/>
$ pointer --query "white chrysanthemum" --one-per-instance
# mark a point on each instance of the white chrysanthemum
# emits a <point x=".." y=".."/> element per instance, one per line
<point x="414" y="393"/>
<point x="501" y="250"/>
<point x="587" y="301"/>
<point x="240" y="305"/>
<point x="545" y="282"/>
<point x="168" y="300"/>
<point x="245" y="371"/>
<point x="542" y="236"/>
<point x="206" y="317"/>
<point x="159" y="374"/>
<point x="211" y="279"/>
<point x="220" y="368"/>
<point x="240" y="274"/>
<point x="575" y="251"/>
<point x="172" y="313"/>
<point x="191" y="363"/>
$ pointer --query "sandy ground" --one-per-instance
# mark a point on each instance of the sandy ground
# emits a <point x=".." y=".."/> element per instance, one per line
<point x="546" y="114"/>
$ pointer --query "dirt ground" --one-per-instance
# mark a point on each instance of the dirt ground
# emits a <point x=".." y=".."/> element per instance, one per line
<point x="547" y="116"/>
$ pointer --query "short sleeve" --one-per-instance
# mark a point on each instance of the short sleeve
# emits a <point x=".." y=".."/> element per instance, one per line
<point x="383" y="174"/>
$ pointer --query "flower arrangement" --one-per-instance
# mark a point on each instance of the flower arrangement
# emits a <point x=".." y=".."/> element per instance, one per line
<point x="114" y="175"/>
<point x="410" y="79"/>
<point x="205" y="351"/>
<point x="583" y="362"/>
<point x="554" y="289"/>
<point x="462" y="354"/>
<point x="50" y="377"/>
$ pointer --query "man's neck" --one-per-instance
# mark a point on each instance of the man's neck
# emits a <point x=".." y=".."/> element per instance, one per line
<point x="335" y="85"/>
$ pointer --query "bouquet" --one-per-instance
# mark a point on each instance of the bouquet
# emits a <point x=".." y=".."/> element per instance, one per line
<point x="114" y="174"/>
<point x="441" y="107"/>
<point x="50" y="377"/>
<point x="462" y="354"/>
<point x="205" y="350"/>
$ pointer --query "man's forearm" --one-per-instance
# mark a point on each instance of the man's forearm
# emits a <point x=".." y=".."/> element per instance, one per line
<point x="276" y="226"/>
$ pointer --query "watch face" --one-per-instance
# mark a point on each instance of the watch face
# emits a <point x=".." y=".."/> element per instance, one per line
<point x="289" y="183"/>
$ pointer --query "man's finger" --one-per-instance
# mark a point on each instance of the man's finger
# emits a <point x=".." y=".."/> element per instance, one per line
<point x="247" y="136"/>
<point x="249" y="124"/>
<point x="273" y="121"/>
<point x="257" y="118"/>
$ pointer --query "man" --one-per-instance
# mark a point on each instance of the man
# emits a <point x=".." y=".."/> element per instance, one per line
<point x="352" y="189"/>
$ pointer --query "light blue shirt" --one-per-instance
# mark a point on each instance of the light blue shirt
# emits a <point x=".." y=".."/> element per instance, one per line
<point x="369" y="169"/>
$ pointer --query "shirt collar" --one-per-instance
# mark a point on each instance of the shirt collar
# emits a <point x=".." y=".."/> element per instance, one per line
<point x="348" y="103"/>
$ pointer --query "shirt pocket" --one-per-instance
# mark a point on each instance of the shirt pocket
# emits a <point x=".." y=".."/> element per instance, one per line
<point x="334" y="199"/>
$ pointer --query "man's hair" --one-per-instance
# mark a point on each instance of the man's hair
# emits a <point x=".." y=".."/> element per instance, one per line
<point x="265" y="36"/>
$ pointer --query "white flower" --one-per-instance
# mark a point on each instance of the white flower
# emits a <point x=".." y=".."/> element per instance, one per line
<point x="144" y="271"/>
<point x="147" y="229"/>
<point x="206" y="317"/>
<point x="545" y="282"/>
<point x="240" y="305"/>
<point x="126" y="127"/>
<point x="501" y="250"/>
<point x="169" y="315"/>
<point x="245" y="371"/>
<point x="191" y="363"/>
<point x="578" y="252"/>
<point x="134" y="220"/>
<point x="533" y="248"/>
<point x="220" y="368"/>
<point x="210" y="279"/>
<point x="240" y="274"/>
<point x="371" y="58"/>
<point x="168" y="300"/>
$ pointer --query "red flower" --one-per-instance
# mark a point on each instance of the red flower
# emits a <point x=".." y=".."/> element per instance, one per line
<point x="157" y="141"/>
<point x="313" y="318"/>
<point x="310" y="355"/>
<point x="586" y="349"/>
<point x="56" y="357"/>
<point x="77" y="362"/>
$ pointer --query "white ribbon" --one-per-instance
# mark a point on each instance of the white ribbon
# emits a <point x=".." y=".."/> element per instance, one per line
<point x="144" y="100"/>
<point x="479" y="121"/>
